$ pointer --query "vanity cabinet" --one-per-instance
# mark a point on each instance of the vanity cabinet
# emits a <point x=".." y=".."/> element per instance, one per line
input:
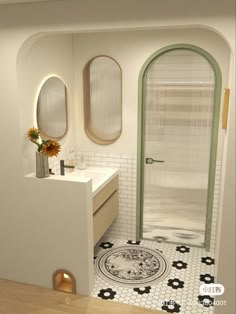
<point x="105" y="208"/>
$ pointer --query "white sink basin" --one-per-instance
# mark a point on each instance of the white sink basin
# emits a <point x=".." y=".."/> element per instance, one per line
<point x="99" y="176"/>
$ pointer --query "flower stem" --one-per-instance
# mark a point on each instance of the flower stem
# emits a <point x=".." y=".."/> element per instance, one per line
<point x="39" y="146"/>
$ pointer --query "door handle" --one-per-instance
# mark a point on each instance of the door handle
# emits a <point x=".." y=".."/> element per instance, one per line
<point x="151" y="160"/>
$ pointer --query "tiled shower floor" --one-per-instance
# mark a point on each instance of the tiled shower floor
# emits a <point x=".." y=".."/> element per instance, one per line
<point x="177" y="293"/>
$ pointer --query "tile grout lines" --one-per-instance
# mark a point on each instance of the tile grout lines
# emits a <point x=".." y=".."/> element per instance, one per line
<point x="177" y="293"/>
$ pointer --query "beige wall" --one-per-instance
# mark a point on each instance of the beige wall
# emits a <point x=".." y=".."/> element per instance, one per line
<point x="43" y="226"/>
<point x="131" y="49"/>
<point x="66" y="55"/>
<point x="18" y="23"/>
<point x="225" y="255"/>
<point x="38" y="60"/>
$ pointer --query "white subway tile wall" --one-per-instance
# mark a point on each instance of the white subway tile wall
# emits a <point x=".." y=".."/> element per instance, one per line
<point x="54" y="162"/>
<point x="124" y="226"/>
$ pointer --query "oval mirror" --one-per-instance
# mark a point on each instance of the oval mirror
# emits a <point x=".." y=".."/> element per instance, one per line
<point x="52" y="109"/>
<point x="102" y="100"/>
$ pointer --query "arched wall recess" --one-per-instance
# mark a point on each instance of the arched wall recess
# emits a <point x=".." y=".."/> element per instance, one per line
<point x="52" y="109"/>
<point x="63" y="280"/>
<point x="103" y="100"/>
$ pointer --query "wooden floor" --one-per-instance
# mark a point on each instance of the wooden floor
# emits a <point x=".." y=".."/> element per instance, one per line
<point x="17" y="298"/>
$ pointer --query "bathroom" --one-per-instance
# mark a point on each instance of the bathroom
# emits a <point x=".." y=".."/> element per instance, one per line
<point x="65" y="56"/>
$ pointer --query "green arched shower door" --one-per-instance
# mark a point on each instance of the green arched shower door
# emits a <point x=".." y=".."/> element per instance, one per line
<point x="178" y="106"/>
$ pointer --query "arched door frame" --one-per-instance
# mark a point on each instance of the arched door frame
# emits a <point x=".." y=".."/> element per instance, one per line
<point x="214" y="135"/>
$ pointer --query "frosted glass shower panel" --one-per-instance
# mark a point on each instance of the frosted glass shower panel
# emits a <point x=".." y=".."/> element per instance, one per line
<point x="102" y="81"/>
<point x="178" y="113"/>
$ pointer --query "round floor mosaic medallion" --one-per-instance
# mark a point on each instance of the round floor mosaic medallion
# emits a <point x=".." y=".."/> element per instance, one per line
<point x="134" y="266"/>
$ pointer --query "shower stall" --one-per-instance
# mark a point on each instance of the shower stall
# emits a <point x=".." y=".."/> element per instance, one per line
<point x="177" y="149"/>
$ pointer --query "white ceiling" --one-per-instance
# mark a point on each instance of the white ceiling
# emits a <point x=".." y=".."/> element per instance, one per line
<point x="19" y="1"/>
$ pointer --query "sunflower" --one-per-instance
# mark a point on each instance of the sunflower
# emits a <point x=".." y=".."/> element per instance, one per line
<point x="51" y="148"/>
<point x="33" y="134"/>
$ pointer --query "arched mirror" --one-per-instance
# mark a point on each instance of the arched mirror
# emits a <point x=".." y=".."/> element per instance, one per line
<point x="52" y="109"/>
<point x="102" y="100"/>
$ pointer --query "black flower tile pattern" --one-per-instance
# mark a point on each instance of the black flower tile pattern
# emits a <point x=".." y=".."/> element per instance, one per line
<point x="175" y="283"/>
<point x="133" y="242"/>
<point x="208" y="260"/>
<point x="192" y="268"/>
<point x="106" y="245"/>
<point x="107" y="294"/>
<point x="179" y="264"/>
<point x="171" y="307"/>
<point x="207" y="278"/>
<point x="143" y="290"/>
<point x="182" y="249"/>
<point x="206" y="300"/>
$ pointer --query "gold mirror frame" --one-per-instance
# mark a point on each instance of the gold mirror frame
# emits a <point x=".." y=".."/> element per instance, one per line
<point x="44" y="134"/>
<point x="87" y="106"/>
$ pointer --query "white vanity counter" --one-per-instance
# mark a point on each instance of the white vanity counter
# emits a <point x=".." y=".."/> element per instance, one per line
<point x="101" y="203"/>
<point x="100" y="176"/>
<point x="105" y="196"/>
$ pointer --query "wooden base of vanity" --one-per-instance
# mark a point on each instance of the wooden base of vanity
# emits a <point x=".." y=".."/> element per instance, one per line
<point x="105" y="209"/>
